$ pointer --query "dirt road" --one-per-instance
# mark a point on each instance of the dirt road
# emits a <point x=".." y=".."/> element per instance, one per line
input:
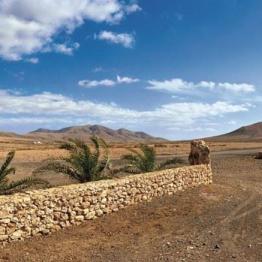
<point x="220" y="222"/>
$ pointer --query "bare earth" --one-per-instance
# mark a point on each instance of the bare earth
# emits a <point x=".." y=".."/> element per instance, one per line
<point x="219" y="222"/>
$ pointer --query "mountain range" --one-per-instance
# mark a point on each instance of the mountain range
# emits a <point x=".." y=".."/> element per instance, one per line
<point x="85" y="132"/>
<point x="251" y="132"/>
<point x="246" y="133"/>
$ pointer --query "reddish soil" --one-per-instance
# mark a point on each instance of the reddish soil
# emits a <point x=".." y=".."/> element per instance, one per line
<point x="219" y="222"/>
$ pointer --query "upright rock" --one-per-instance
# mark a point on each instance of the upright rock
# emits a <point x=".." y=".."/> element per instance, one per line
<point x="200" y="153"/>
<point x="259" y="155"/>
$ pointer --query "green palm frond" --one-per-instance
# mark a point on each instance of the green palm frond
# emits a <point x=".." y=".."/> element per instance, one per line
<point x="145" y="161"/>
<point x="59" y="167"/>
<point x="7" y="172"/>
<point x="4" y="170"/>
<point x="96" y="144"/>
<point x="131" y="158"/>
<point x="7" y="187"/>
<point x="82" y="164"/>
<point x="22" y="184"/>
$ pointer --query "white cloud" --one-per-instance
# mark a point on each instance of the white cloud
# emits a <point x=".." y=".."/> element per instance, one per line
<point x="126" y="40"/>
<point x="97" y="69"/>
<point x="241" y="88"/>
<point x="211" y="85"/>
<point x="177" y="85"/>
<point x="126" y="80"/>
<point x="132" y="8"/>
<point x="64" y="48"/>
<point x="95" y="83"/>
<point x="107" y="82"/>
<point x="54" y="106"/>
<point x="32" y="60"/>
<point x="173" y="85"/>
<point x="28" y="26"/>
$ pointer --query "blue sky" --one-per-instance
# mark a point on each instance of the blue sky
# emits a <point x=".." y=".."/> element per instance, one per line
<point x="173" y="68"/>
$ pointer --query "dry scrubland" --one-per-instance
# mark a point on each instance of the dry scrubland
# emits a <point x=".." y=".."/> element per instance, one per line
<point x="29" y="156"/>
<point x="218" y="222"/>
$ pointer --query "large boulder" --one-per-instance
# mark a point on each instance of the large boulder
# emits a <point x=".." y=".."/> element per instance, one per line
<point x="199" y="154"/>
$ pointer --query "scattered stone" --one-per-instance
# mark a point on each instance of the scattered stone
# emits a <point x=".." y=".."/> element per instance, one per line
<point x="17" y="234"/>
<point x="168" y="244"/>
<point x="80" y="218"/>
<point x="3" y="237"/>
<point x="99" y="212"/>
<point x="216" y="247"/>
<point x="2" y="230"/>
<point x="5" y="221"/>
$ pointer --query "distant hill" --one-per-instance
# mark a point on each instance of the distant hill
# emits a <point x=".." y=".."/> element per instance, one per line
<point x="9" y="134"/>
<point x="85" y="132"/>
<point x="245" y="133"/>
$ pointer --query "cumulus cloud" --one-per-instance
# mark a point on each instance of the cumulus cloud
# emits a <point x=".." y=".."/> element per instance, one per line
<point x="28" y="26"/>
<point x="126" y="40"/>
<point x="126" y="80"/>
<point x="132" y="8"/>
<point x="32" y="60"/>
<point x="54" y="106"/>
<point x="177" y="85"/>
<point x="95" y="83"/>
<point x="107" y="82"/>
<point x="173" y="85"/>
<point x="64" y="48"/>
<point x="241" y="88"/>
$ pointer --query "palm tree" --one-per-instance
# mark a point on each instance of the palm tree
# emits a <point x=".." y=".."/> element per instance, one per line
<point x="145" y="161"/>
<point x="7" y="187"/>
<point x="83" y="164"/>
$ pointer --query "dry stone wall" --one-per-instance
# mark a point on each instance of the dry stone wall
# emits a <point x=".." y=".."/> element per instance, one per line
<point x="44" y="211"/>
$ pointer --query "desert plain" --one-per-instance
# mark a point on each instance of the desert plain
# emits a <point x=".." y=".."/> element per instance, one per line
<point x="218" y="222"/>
<point x="30" y="155"/>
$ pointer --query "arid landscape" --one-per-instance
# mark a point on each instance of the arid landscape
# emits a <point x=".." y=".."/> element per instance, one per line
<point x="130" y="131"/>
<point x="218" y="222"/>
<point x="34" y="148"/>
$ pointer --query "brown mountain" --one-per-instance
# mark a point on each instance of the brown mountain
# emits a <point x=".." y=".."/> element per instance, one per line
<point x="8" y="134"/>
<point x="245" y="133"/>
<point x="85" y="132"/>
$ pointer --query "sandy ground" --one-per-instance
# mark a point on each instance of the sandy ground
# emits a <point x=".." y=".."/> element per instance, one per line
<point x="29" y="156"/>
<point x="219" y="222"/>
